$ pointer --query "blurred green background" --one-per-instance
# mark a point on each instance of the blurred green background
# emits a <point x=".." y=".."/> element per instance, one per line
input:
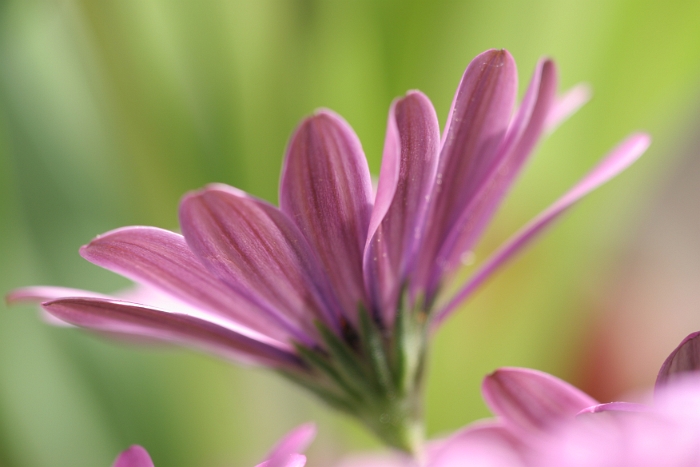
<point x="111" y="110"/>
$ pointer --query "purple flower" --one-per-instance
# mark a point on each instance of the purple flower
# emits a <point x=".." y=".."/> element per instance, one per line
<point x="338" y="289"/>
<point x="284" y="454"/>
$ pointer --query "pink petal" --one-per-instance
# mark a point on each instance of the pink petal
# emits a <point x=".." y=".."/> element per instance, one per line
<point x="523" y="134"/>
<point x="326" y="190"/>
<point x="43" y="293"/>
<point x="135" y="456"/>
<point x="408" y="170"/>
<point x="684" y="359"/>
<point x="163" y="260"/>
<point x="531" y="400"/>
<point x="615" y="407"/>
<point x="476" y="127"/>
<point x="114" y="316"/>
<point x="257" y="251"/>
<point x="483" y="445"/>
<point x="615" y="162"/>
<point x="567" y="105"/>
<point x="286" y="452"/>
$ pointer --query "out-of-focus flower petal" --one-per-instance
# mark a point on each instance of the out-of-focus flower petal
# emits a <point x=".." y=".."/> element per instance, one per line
<point x="475" y="129"/>
<point x="615" y="407"/>
<point x="567" y="105"/>
<point x="523" y="133"/>
<point x="684" y="359"/>
<point x="286" y="452"/>
<point x="163" y="260"/>
<point x="531" y="400"/>
<point x="480" y="445"/>
<point x="135" y="456"/>
<point x="257" y="251"/>
<point x="615" y="162"/>
<point x="408" y="171"/>
<point x="327" y="191"/>
<point x="114" y="316"/>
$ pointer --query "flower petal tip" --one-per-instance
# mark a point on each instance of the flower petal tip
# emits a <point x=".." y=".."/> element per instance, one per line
<point x="135" y="456"/>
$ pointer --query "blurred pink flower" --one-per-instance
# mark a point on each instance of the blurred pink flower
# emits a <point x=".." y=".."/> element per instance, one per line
<point x="285" y="454"/>
<point x="337" y="289"/>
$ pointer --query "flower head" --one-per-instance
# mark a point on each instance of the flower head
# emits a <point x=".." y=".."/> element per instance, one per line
<point x="339" y="289"/>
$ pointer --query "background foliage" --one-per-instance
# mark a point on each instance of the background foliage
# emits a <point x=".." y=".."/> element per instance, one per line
<point x="110" y="111"/>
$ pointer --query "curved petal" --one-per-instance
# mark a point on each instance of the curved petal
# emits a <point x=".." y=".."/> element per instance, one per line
<point x="531" y="400"/>
<point x="135" y="456"/>
<point x="408" y="170"/>
<point x="286" y="452"/>
<point x="684" y="359"/>
<point x="475" y="130"/>
<point x="163" y="260"/>
<point x="615" y="162"/>
<point x="327" y="191"/>
<point x="44" y="293"/>
<point x="256" y="250"/>
<point x="482" y="444"/>
<point x="121" y="317"/>
<point x="523" y="134"/>
<point x="567" y="105"/>
<point x="615" y="407"/>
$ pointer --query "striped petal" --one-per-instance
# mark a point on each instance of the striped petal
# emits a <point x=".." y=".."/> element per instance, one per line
<point x="615" y="162"/>
<point x="684" y="359"/>
<point x="163" y="260"/>
<point x="119" y="317"/>
<point x="531" y="400"/>
<point x="135" y="456"/>
<point x="43" y="293"/>
<point x="256" y="250"/>
<point x="475" y="130"/>
<point x="326" y="190"/>
<point x="408" y="171"/>
<point x="523" y="134"/>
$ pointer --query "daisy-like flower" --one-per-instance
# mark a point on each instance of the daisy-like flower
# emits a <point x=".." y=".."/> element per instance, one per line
<point x="285" y="454"/>
<point x="338" y="289"/>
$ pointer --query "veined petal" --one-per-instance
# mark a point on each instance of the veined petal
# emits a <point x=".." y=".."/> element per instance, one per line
<point x="567" y="105"/>
<point x="43" y="293"/>
<point x="408" y="170"/>
<point x="327" y="191"/>
<point x="163" y="260"/>
<point x="256" y="250"/>
<point x="475" y="130"/>
<point x="135" y="456"/>
<point x="532" y="400"/>
<point x="615" y="162"/>
<point x="684" y="359"/>
<point x="286" y="452"/>
<point x="523" y="134"/>
<point x="121" y="317"/>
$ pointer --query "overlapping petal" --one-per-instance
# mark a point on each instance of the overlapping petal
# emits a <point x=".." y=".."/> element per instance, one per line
<point x="684" y="359"/>
<point x="408" y="170"/>
<point x="135" y="456"/>
<point x="615" y="162"/>
<point x="114" y="316"/>
<point x="523" y="133"/>
<point x="530" y="400"/>
<point x="252" y="247"/>
<point x="475" y="130"/>
<point x="326" y="190"/>
<point x="286" y="452"/>
<point x="162" y="259"/>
